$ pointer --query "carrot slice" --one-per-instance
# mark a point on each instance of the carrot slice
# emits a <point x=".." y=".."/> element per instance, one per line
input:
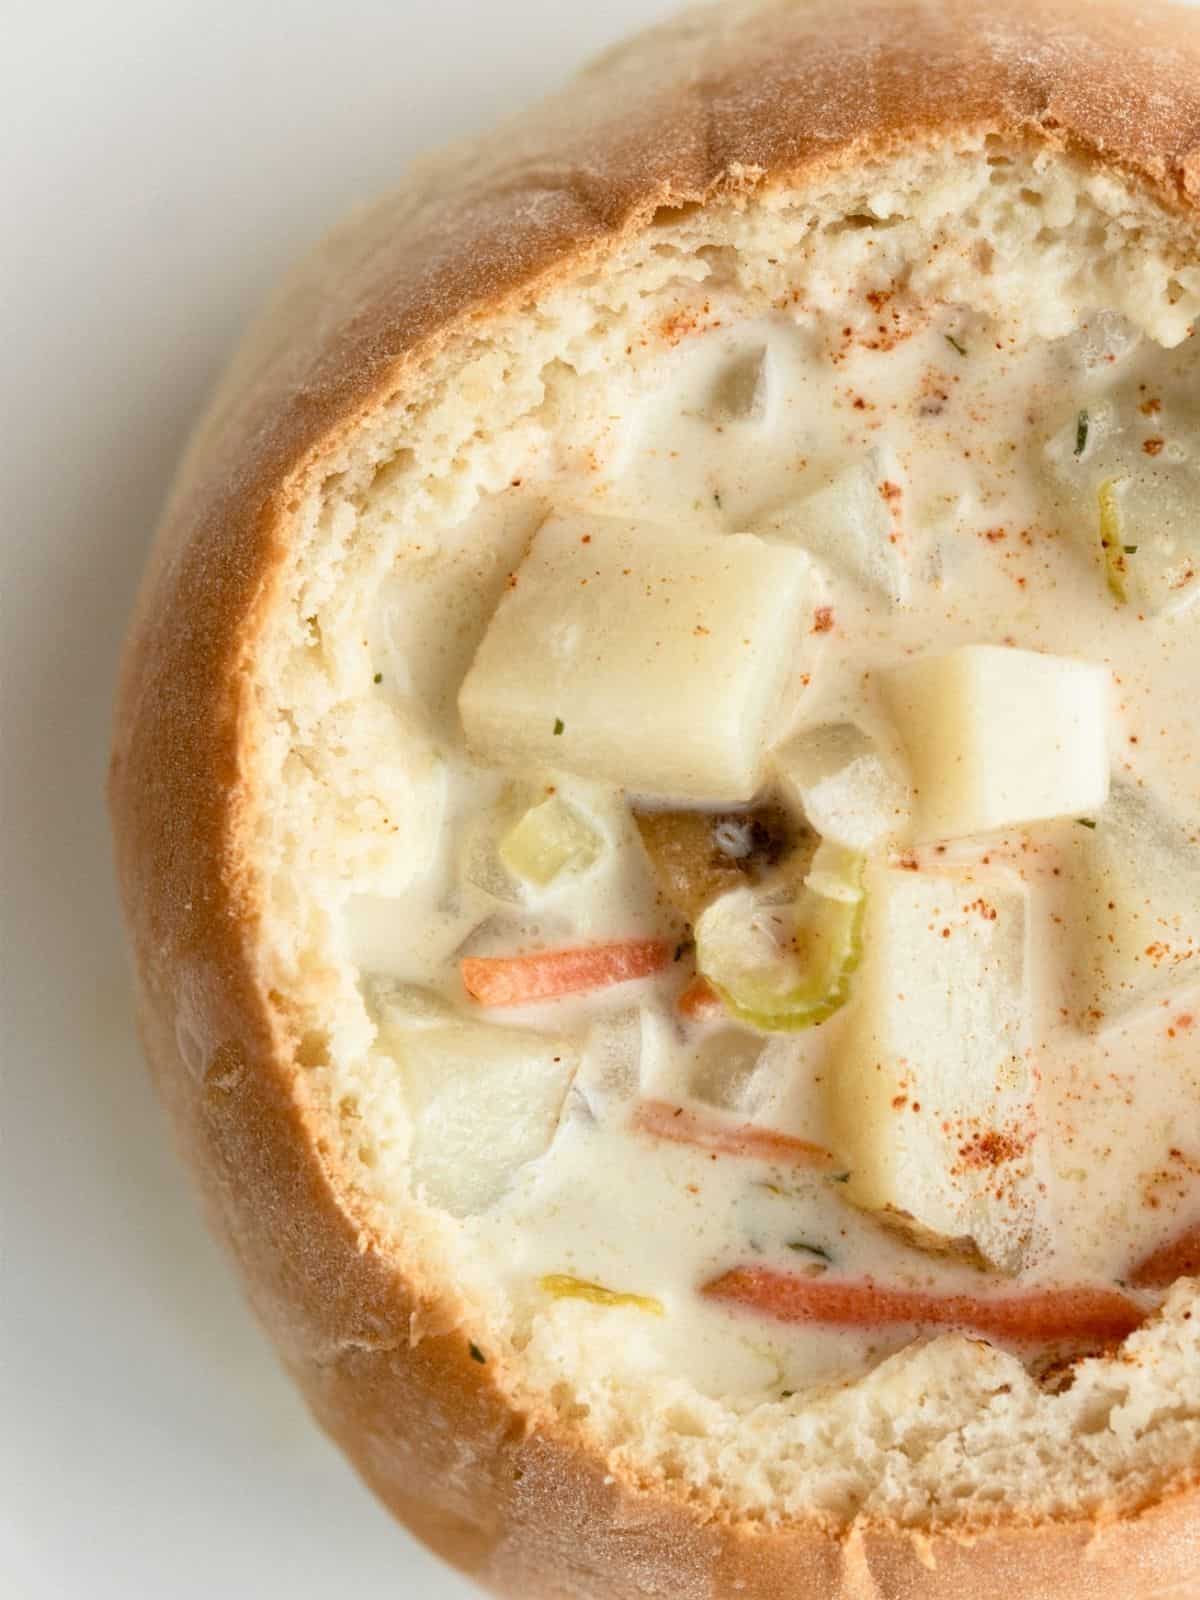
<point x="681" y="1125"/>
<point x="1038" y="1314"/>
<point x="546" y="974"/>
<point x="700" y="1002"/>
<point x="1178" y="1258"/>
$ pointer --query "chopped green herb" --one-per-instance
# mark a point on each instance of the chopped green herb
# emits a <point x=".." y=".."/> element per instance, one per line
<point x="839" y="1177"/>
<point x="559" y="725"/>
<point x="1082" y="425"/>
<point x="681" y="949"/>
<point x="717" y="498"/>
<point x="1085" y="822"/>
<point x="804" y="1247"/>
<point x="786" y="1394"/>
<point x="378" y="678"/>
<point x="961" y="348"/>
<point x="1130" y="549"/>
<point x="477" y="1354"/>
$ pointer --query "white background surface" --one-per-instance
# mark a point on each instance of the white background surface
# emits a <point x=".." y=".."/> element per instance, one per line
<point x="165" y="159"/>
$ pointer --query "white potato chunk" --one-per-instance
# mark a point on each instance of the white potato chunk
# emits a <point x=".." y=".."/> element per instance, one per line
<point x="484" y="1102"/>
<point x="855" y="523"/>
<point x="1139" y="904"/>
<point x="652" y="658"/>
<point x="997" y="737"/>
<point x="932" y="1087"/>
<point x="845" y="786"/>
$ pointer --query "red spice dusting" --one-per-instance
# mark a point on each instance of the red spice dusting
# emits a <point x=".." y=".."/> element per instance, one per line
<point x="822" y="619"/>
<point x="990" y="1148"/>
<point x="1153" y="447"/>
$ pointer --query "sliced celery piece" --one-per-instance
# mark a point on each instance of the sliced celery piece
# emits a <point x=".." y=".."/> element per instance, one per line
<point x="549" y="840"/>
<point x="1112" y="542"/>
<point x="563" y="1287"/>
<point x="785" y="964"/>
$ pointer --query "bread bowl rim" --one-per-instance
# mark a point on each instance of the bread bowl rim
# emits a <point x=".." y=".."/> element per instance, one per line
<point x="358" y="1335"/>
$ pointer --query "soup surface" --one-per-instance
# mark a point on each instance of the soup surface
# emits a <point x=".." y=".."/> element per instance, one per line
<point x="806" y="950"/>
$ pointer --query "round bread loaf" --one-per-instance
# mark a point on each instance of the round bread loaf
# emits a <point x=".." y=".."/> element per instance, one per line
<point x="417" y="389"/>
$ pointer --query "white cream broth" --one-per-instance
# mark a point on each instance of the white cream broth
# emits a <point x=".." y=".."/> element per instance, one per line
<point x="976" y="437"/>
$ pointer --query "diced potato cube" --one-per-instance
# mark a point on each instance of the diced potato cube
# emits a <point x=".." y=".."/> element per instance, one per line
<point x="840" y="780"/>
<point x="997" y="737"/>
<point x="931" y="1092"/>
<point x="484" y="1102"/>
<point x="655" y="659"/>
<point x="1139" y="908"/>
<point x="854" y="523"/>
<point x="550" y="839"/>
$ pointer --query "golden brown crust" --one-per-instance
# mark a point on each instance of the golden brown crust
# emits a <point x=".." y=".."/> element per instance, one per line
<point x="710" y="104"/>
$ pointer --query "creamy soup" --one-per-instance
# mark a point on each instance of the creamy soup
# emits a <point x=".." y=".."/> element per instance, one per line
<point x="807" y="949"/>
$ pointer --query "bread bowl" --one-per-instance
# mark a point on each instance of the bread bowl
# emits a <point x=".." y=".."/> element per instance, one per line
<point x="687" y="229"/>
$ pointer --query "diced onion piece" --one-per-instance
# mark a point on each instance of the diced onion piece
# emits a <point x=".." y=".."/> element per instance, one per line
<point x="550" y="840"/>
<point x="723" y="1070"/>
<point x="783" y="964"/>
<point x="840" y="780"/>
<point x="563" y="1287"/>
<point x="740" y="391"/>
<point x="1128" y="481"/>
<point x="1105" y="339"/>
<point x="610" y="1069"/>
